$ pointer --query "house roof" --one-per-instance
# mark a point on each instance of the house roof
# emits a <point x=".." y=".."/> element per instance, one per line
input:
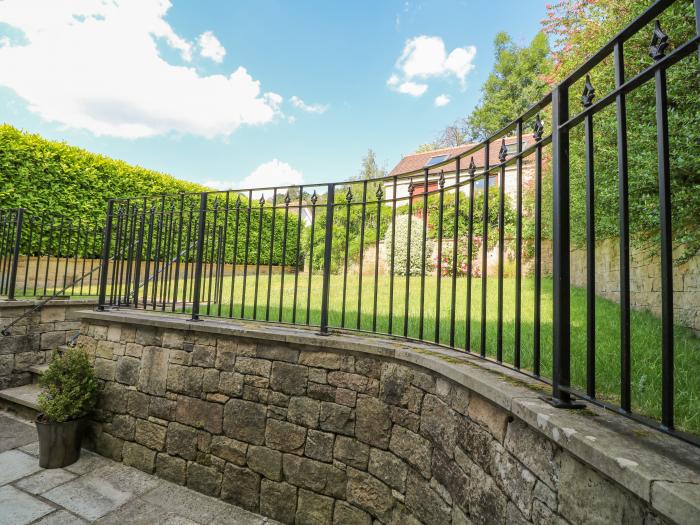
<point x="417" y="161"/>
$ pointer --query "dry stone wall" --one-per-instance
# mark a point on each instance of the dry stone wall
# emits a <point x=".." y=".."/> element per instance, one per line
<point x="312" y="436"/>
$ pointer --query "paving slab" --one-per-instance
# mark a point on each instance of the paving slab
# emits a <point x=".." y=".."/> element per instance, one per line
<point x="88" y="462"/>
<point x="15" y="433"/>
<point x="141" y="511"/>
<point x="60" y="517"/>
<point x="44" y="480"/>
<point x="90" y="498"/>
<point x="15" y="465"/>
<point x="185" y="502"/>
<point x="19" y="508"/>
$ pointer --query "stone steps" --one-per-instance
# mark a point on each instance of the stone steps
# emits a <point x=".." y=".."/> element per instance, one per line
<point x="21" y="400"/>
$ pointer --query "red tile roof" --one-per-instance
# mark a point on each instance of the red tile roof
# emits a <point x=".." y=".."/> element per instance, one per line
<point x="417" y="161"/>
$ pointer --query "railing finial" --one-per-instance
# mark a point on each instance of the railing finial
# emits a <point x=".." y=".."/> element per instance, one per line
<point x="472" y="168"/>
<point x="538" y="128"/>
<point x="588" y="93"/>
<point x="379" y="193"/>
<point x="314" y="198"/>
<point x="659" y="42"/>
<point x="503" y="152"/>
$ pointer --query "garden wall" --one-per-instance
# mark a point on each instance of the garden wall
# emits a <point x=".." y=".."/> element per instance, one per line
<point x="357" y="430"/>
<point x="33" y="339"/>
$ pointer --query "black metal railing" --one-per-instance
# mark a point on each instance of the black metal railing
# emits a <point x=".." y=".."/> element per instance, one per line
<point x="41" y="256"/>
<point x="464" y="253"/>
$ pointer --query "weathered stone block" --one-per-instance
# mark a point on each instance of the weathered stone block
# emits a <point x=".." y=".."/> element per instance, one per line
<point x="284" y="436"/>
<point x="161" y="408"/>
<point x="304" y="411"/>
<point x="337" y="418"/>
<point x="241" y="487"/>
<point x="229" y="449"/>
<point x="534" y="451"/>
<point x="373" y="422"/>
<point x="426" y="504"/>
<point x="413" y="448"/>
<point x="104" y="369"/>
<point x="314" y="475"/>
<point x="493" y="417"/>
<point x="245" y="421"/>
<point x="515" y="480"/>
<point x="173" y="339"/>
<point x="114" y="397"/>
<point x="133" y="350"/>
<point x="448" y="473"/>
<point x="277" y="353"/>
<point x="51" y="314"/>
<point x="150" y="435"/>
<point x="388" y="468"/>
<point x="154" y="371"/>
<point x="137" y="404"/>
<point x="204" y="356"/>
<point x="253" y="366"/>
<point x="109" y="446"/>
<point x="346" y="397"/>
<point x="405" y="418"/>
<point x="231" y="383"/>
<point x="138" y="456"/>
<point x="345" y="514"/>
<point x="210" y="380"/>
<point x="288" y="378"/>
<point x="396" y="388"/>
<point x="185" y="379"/>
<point x="479" y="444"/>
<point x="319" y="445"/>
<point x="487" y="503"/>
<point x="314" y="509"/>
<point x="459" y="400"/>
<point x="351" y="452"/>
<point x="318" y="375"/>
<point x="51" y="340"/>
<point x="329" y="360"/>
<point x="206" y="480"/>
<point x="278" y="501"/>
<point x="370" y="494"/>
<point x="439" y="423"/>
<point x="199" y="414"/>
<point x="148" y="336"/>
<point x="128" y="370"/>
<point x="181" y="441"/>
<point x="171" y="468"/>
<point x="123" y="427"/>
<point x="265" y="461"/>
<point x="321" y="392"/>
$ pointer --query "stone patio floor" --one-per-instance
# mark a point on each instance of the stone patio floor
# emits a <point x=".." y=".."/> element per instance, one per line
<point x="95" y="490"/>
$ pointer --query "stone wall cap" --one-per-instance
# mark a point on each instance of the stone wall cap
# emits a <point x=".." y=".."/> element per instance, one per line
<point x="661" y="469"/>
<point x="26" y="303"/>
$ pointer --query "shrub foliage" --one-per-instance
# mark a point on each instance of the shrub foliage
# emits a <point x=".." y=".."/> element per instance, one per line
<point x="70" y="386"/>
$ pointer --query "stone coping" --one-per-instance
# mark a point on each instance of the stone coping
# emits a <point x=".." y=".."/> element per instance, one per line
<point x="662" y="470"/>
<point x="28" y="303"/>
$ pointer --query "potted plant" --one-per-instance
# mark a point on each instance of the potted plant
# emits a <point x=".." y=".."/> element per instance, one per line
<point x="68" y="395"/>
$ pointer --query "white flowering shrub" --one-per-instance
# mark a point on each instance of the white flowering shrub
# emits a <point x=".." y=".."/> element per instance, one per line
<point x="401" y="246"/>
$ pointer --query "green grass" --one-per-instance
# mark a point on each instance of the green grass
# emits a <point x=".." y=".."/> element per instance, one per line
<point x="646" y="328"/>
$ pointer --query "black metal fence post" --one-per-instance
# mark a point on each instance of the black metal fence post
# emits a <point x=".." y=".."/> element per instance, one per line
<point x="106" y="241"/>
<point x="327" y="259"/>
<point x="199" y="256"/>
<point x="561" y="299"/>
<point x="15" y="253"/>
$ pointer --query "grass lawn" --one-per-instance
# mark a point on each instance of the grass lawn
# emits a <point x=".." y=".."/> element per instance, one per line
<point x="646" y="328"/>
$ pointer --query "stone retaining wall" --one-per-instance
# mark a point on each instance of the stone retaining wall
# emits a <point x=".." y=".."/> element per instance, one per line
<point x="286" y="426"/>
<point x="32" y="340"/>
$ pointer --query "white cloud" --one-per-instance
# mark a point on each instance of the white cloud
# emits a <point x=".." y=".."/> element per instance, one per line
<point x="95" y="65"/>
<point x="425" y="57"/>
<point x="442" y="100"/>
<point x="216" y="184"/>
<point x="210" y="47"/>
<point x="271" y="174"/>
<point x="412" y="88"/>
<point x="309" y="108"/>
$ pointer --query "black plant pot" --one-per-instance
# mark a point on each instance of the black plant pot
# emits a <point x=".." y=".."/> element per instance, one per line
<point x="59" y="443"/>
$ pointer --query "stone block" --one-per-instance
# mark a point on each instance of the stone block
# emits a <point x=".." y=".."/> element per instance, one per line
<point x="534" y="451"/>
<point x="318" y="375"/>
<point x="161" y="408"/>
<point x="314" y="475"/>
<point x="265" y="461"/>
<point x="515" y="481"/>
<point x="345" y="514"/>
<point x="284" y="436"/>
<point x="370" y="494"/>
<point x="150" y="434"/>
<point x="114" y="398"/>
<point x="245" y="421"/>
<point x="241" y="487"/>
<point x="405" y="418"/>
<point x="173" y="339"/>
<point x="278" y="501"/>
<point x="109" y="446"/>
<point x="350" y="381"/>
<point x="314" y="509"/>
<point x="154" y="371"/>
<point x="413" y="448"/>
<point x="199" y="414"/>
<point x="181" y="441"/>
<point x="127" y="370"/>
<point x="368" y="366"/>
<point x="50" y="314"/>
<point x="206" y="480"/>
<point x="277" y="353"/>
<point x="133" y="350"/>
<point x="105" y="369"/>
<point x="137" y="404"/>
<point x="321" y="392"/>
<point x="427" y="505"/>
<point x="138" y="456"/>
<point x="24" y="360"/>
<point x="319" y="445"/>
<point x="388" y="468"/>
<point x="6" y="364"/>
<point x="329" y="360"/>
<point x="346" y="397"/>
<point x="210" y="380"/>
<point x="229" y="449"/>
<point x="204" y="356"/>
<point x="439" y="423"/>
<point x="253" y="366"/>
<point x="123" y="427"/>
<point x="337" y="418"/>
<point x="148" y="336"/>
<point x="231" y="383"/>
<point x="396" y="388"/>
<point x="351" y="452"/>
<point x="487" y="503"/>
<point x="171" y="468"/>
<point x="225" y="356"/>
<point x="449" y="475"/>
<point x="478" y="443"/>
<point x="289" y="378"/>
<point x="459" y="400"/>
<point x="304" y="411"/>
<point x="489" y="415"/>
<point x="373" y="422"/>
<point x="52" y="340"/>
<point x="108" y="349"/>
<point x="185" y="379"/>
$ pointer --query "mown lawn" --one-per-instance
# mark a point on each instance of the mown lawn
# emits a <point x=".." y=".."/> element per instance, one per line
<point x="646" y="328"/>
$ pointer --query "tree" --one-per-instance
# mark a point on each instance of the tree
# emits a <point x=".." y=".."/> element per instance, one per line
<point x="518" y="80"/>
<point x="370" y="169"/>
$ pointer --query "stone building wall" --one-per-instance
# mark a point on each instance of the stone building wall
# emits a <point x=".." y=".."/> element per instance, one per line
<point x="33" y="339"/>
<point x="308" y="435"/>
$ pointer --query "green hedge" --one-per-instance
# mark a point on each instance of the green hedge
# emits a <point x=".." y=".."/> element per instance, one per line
<point x="53" y="178"/>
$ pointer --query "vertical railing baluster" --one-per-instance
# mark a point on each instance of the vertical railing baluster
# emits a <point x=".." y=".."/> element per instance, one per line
<point x="362" y="255"/>
<point x="379" y="193"/>
<point x="328" y="245"/>
<point x="348" y="203"/>
<point x="237" y="205"/>
<point x="484" y="248"/>
<point x="199" y="256"/>
<point x="537" y="306"/>
<point x="139" y="254"/>
<point x="455" y="233"/>
<point x="149" y="249"/>
<point x="261" y="205"/>
<point x="424" y="241"/>
<point x="272" y="253"/>
<point x="213" y="253"/>
<point x="438" y="284"/>
<point x="176" y="289"/>
<point x="246" y="248"/>
<point x="470" y="256"/>
<point x="106" y="242"/>
<point x="283" y="262"/>
<point x="407" y="292"/>
<point x="518" y="243"/>
<point x="19" y="221"/>
<point x="314" y="200"/>
<point x="391" y="264"/>
<point x="297" y="255"/>
<point x="502" y="156"/>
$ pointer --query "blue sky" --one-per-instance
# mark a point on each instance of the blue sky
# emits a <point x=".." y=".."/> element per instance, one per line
<point x="150" y="83"/>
